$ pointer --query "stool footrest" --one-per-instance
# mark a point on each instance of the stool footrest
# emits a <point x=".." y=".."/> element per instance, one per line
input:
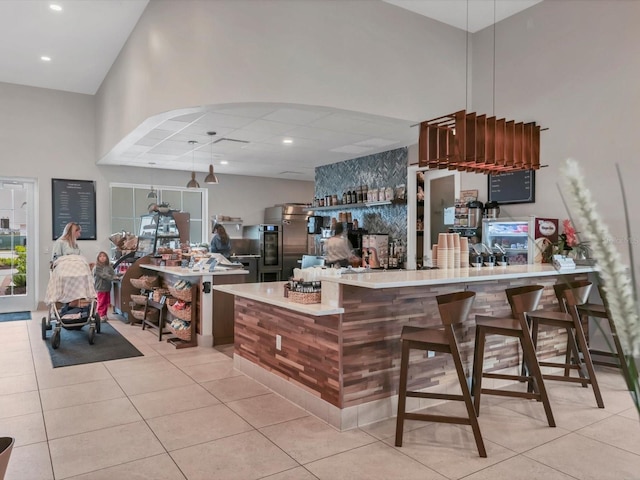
<point x="510" y="393"/>
<point x="435" y="396"/>
<point x="560" y="365"/>
<point x="437" y="418"/>
<point x="504" y="376"/>
<point x="562" y="378"/>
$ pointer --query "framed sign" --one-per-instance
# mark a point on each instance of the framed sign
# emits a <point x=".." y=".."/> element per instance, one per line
<point x="74" y="201"/>
<point x="512" y="187"/>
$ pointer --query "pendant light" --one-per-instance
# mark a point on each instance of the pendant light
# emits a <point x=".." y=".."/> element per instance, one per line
<point x="193" y="183"/>
<point x="211" y="178"/>
<point x="152" y="193"/>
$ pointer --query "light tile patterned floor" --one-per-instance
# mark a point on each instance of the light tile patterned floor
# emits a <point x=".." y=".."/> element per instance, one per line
<point x="187" y="414"/>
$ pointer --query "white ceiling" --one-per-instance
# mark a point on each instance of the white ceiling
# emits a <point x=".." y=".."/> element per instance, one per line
<point x="84" y="39"/>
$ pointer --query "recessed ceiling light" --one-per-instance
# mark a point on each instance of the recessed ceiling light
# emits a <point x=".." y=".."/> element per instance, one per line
<point x="224" y="162"/>
<point x="287" y="141"/>
<point x="55" y="7"/>
<point x="44" y="58"/>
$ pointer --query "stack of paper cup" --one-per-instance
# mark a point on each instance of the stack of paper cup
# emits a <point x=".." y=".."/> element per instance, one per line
<point x="456" y="250"/>
<point x="443" y="250"/>
<point x="464" y="252"/>
<point x="451" y="259"/>
<point x="434" y="255"/>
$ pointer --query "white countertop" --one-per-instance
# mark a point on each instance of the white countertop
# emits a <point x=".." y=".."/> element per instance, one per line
<point x="413" y="278"/>
<point x="273" y="294"/>
<point x="185" y="272"/>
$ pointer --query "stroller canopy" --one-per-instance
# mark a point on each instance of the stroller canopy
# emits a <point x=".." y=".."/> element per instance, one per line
<point x="71" y="279"/>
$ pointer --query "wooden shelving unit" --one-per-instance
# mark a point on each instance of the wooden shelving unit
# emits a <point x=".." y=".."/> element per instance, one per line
<point x="160" y="326"/>
<point x="195" y="306"/>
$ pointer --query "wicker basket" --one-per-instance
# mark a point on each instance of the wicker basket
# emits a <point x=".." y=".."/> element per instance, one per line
<point x="181" y="294"/>
<point x="145" y="282"/>
<point x="139" y="299"/>
<point x="138" y="313"/>
<point x="183" y="334"/>
<point x="181" y="314"/>
<point x="306" y="298"/>
<point x="159" y="292"/>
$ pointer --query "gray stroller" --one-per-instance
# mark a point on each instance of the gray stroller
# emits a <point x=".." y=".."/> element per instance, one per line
<point x="71" y="298"/>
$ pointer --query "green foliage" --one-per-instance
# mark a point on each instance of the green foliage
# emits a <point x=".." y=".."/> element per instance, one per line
<point x="20" y="280"/>
<point x="21" y="261"/>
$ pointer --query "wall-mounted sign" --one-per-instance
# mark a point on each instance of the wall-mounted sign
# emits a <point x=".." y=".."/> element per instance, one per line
<point x="74" y="201"/>
<point x="513" y="187"/>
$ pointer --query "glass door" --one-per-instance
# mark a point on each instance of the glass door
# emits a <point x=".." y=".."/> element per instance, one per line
<point x="17" y="254"/>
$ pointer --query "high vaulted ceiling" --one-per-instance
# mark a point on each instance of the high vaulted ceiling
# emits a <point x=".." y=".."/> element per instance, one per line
<point x="84" y="39"/>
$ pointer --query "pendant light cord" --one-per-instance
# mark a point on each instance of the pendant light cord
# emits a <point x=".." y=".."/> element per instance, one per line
<point x="494" y="58"/>
<point x="466" y="66"/>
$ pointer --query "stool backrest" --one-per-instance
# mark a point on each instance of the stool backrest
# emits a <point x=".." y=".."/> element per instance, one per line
<point x="524" y="299"/>
<point x="454" y="307"/>
<point x="577" y="293"/>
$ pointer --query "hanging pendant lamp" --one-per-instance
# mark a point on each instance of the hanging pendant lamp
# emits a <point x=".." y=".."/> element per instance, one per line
<point x="211" y="178"/>
<point x="193" y="183"/>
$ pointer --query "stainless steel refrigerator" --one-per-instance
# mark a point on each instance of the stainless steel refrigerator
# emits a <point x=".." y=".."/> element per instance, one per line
<point x="293" y="221"/>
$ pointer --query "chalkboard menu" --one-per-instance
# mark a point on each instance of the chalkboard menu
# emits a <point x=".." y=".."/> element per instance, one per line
<point x="513" y="187"/>
<point x="74" y="201"/>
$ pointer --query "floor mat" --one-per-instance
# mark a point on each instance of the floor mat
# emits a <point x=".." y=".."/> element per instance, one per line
<point x="74" y="347"/>
<point x="11" y="316"/>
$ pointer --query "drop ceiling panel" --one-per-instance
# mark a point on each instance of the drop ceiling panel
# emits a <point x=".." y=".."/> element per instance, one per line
<point x="296" y="116"/>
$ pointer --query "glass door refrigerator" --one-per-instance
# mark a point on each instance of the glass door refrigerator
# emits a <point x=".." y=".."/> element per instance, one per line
<point x="523" y="241"/>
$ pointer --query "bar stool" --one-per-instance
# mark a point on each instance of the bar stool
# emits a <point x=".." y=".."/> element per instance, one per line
<point x="522" y="300"/>
<point x="454" y="309"/>
<point x="578" y="357"/>
<point x="601" y="311"/>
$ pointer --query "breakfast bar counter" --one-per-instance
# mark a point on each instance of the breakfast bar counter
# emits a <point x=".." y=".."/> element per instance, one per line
<point x="340" y="359"/>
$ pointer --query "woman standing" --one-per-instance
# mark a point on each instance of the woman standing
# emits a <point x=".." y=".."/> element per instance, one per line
<point x="338" y="249"/>
<point x="220" y="242"/>
<point x="67" y="244"/>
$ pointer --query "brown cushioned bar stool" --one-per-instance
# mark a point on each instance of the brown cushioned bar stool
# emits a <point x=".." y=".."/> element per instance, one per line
<point x="578" y="357"/>
<point x="522" y="300"/>
<point x="454" y="309"/>
<point x="601" y="311"/>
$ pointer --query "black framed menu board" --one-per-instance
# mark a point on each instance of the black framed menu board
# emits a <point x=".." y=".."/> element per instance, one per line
<point x="74" y="201"/>
<point x="512" y="187"/>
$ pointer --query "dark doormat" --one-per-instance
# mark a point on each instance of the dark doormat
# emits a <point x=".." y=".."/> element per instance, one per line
<point x="74" y="347"/>
<point x="11" y="316"/>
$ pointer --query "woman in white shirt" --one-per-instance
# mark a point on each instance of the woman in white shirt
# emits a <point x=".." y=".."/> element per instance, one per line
<point x="67" y="244"/>
<point x="338" y="250"/>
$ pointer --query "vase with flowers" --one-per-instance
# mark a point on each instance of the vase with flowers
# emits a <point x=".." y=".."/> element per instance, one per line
<point x="569" y="243"/>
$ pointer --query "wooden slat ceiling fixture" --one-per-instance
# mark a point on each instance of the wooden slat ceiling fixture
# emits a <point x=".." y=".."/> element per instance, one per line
<point x="469" y="142"/>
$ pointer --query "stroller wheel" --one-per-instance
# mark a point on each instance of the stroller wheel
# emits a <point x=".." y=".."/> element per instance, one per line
<point x="92" y="334"/>
<point x="44" y="328"/>
<point x="55" y="339"/>
<point x="96" y="317"/>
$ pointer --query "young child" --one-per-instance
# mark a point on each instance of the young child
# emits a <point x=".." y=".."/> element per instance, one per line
<point x="104" y="274"/>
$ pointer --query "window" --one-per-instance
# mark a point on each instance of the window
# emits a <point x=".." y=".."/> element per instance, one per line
<point x="130" y="202"/>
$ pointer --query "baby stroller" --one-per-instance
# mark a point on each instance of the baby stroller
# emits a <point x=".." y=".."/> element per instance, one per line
<point x="71" y="298"/>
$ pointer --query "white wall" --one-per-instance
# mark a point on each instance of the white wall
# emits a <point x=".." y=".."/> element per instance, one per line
<point x="361" y="55"/>
<point x="47" y="134"/>
<point x="573" y="67"/>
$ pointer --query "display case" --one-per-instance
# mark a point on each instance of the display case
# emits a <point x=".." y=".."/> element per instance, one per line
<point x="167" y="230"/>
<point x="523" y="241"/>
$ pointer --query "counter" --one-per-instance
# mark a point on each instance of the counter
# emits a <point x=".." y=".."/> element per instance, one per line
<point x="215" y="310"/>
<point x="340" y="359"/>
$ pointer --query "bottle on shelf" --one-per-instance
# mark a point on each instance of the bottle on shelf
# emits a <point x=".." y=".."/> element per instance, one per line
<point x="348" y="196"/>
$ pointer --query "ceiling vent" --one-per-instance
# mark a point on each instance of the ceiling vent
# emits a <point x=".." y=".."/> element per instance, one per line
<point x="234" y="140"/>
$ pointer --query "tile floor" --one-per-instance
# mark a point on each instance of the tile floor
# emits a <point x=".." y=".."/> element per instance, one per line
<point x="187" y="414"/>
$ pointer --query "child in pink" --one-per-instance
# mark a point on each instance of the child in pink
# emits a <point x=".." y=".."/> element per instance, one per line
<point x="103" y="274"/>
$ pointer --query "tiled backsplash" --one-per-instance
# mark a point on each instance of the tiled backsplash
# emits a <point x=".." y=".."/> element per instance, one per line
<point x="387" y="169"/>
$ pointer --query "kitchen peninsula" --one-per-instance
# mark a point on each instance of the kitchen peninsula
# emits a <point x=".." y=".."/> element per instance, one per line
<point x="340" y="359"/>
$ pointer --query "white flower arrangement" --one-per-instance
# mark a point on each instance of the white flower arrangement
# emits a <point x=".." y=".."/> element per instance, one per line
<point x="618" y="280"/>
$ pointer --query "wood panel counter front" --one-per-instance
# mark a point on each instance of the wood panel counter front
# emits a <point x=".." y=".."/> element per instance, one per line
<point x="340" y="359"/>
